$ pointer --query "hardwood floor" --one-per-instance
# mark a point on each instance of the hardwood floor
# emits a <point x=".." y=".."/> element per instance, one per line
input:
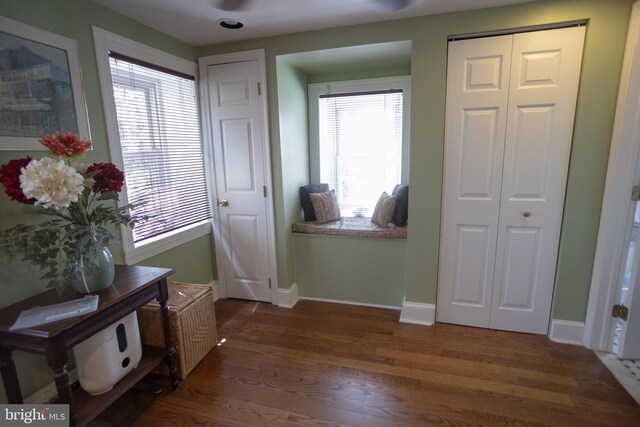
<point x="331" y="364"/>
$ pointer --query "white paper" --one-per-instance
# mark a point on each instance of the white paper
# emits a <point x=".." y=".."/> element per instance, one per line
<point x="52" y="313"/>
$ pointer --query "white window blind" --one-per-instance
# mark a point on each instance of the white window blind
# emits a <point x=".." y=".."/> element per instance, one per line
<point x="360" y="147"/>
<point x="161" y="146"/>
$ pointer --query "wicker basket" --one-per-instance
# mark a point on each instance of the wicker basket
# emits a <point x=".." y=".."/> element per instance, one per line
<point x="193" y="324"/>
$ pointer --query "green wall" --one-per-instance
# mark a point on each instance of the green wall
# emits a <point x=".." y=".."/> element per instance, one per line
<point x="362" y="270"/>
<point x="604" y="46"/>
<point x="194" y="261"/>
<point x="293" y="125"/>
<point x="370" y="73"/>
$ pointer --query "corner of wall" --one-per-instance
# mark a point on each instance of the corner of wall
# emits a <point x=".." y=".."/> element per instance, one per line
<point x="218" y="290"/>
<point x="567" y="332"/>
<point x="418" y="313"/>
<point x="288" y="298"/>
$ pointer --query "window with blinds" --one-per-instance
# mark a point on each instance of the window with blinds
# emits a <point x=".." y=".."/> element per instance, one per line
<point x="161" y="147"/>
<point x="360" y="138"/>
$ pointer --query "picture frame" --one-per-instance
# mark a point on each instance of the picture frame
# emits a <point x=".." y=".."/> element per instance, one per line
<point x="41" y="89"/>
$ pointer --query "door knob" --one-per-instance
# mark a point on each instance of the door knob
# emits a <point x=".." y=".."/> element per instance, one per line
<point x="223" y="203"/>
<point x="526" y="214"/>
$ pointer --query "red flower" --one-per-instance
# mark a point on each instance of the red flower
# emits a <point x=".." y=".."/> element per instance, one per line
<point x="10" y="179"/>
<point x="65" y="145"/>
<point x="107" y="178"/>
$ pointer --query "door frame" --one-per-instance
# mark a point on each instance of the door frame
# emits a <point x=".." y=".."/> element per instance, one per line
<point x="204" y="63"/>
<point x="624" y="159"/>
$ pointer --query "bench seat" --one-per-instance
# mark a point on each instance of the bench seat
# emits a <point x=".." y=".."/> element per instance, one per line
<point x="350" y="227"/>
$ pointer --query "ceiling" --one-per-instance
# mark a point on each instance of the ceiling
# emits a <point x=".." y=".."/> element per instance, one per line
<point x="196" y="21"/>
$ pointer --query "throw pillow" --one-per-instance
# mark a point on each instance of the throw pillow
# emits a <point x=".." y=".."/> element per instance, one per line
<point x="401" y="212"/>
<point x="384" y="210"/>
<point x="325" y="206"/>
<point x="305" y="199"/>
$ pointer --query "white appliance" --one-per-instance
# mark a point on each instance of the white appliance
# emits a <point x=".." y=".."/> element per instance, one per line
<point x="105" y="358"/>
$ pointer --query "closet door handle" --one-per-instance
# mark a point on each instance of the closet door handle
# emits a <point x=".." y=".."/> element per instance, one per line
<point x="526" y="214"/>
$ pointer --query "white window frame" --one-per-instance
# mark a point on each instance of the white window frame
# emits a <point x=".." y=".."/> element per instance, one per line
<point x="104" y="42"/>
<point x="315" y="90"/>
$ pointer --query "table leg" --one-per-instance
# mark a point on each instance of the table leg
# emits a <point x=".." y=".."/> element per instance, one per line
<point x="171" y="356"/>
<point x="9" y="377"/>
<point x="61" y="378"/>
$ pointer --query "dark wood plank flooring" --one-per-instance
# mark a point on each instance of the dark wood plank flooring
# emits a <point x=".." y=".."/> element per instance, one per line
<point x="332" y="364"/>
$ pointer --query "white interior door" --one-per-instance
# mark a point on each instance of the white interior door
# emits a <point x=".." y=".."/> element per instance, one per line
<point x="545" y="72"/>
<point x="238" y="151"/>
<point x="627" y="332"/>
<point x="477" y="97"/>
<point x="619" y="212"/>
<point x="510" y="108"/>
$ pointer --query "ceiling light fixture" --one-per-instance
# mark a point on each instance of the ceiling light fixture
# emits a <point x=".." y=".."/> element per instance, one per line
<point x="230" y="24"/>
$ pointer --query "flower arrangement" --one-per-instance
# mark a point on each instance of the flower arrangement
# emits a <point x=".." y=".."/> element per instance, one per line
<point x="78" y="198"/>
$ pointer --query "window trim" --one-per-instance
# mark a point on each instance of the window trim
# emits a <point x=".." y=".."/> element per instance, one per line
<point x="104" y="42"/>
<point x="315" y="90"/>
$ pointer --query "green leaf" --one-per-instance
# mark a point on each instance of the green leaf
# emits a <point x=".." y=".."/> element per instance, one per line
<point x="109" y="195"/>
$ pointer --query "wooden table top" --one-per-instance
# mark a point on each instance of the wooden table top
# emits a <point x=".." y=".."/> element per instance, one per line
<point x="128" y="281"/>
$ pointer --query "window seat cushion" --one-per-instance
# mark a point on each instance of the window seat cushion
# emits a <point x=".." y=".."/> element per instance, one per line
<point x="350" y="227"/>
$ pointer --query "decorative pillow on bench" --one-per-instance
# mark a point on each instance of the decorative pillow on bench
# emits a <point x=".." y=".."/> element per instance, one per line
<point x="383" y="212"/>
<point x="401" y="212"/>
<point x="325" y="206"/>
<point x="305" y="199"/>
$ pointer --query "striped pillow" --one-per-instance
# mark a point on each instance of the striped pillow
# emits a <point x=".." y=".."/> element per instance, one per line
<point x="325" y="206"/>
<point x="384" y="210"/>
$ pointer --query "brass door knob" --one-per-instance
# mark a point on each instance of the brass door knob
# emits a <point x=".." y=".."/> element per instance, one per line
<point x="223" y="203"/>
<point x="526" y="214"/>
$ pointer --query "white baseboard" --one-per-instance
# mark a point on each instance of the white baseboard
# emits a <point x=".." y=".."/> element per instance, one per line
<point x="567" y="332"/>
<point x="363" y="304"/>
<point x="418" y="313"/>
<point x="218" y="290"/>
<point x="288" y="298"/>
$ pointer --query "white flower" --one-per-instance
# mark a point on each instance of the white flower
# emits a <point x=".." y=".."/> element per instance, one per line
<point x="51" y="182"/>
<point x="80" y="167"/>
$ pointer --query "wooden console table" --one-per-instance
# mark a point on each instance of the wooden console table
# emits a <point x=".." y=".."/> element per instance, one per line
<point x="133" y="287"/>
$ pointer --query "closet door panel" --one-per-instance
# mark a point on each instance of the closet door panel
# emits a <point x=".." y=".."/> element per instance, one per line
<point x="528" y="167"/>
<point x="470" y="277"/>
<point x="520" y="272"/>
<point x="545" y="72"/>
<point x="477" y="92"/>
<point x="477" y="154"/>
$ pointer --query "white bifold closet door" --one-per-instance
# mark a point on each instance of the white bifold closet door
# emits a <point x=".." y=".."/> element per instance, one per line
<point x="510" y="109"/>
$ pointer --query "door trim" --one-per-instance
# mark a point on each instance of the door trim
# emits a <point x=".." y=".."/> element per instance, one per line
<point x="517" y="30"/>
<point x="204" y="63"/>
<point x="616" y="204"/>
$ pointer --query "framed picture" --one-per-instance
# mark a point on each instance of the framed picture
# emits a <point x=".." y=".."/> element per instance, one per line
<point x="40" y="86"/>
